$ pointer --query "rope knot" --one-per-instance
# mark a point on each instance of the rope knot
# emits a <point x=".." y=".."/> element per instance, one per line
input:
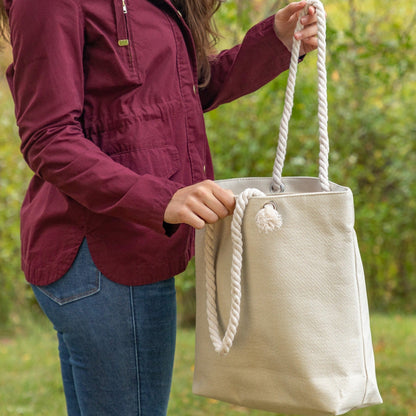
<point x="268" y="218"/>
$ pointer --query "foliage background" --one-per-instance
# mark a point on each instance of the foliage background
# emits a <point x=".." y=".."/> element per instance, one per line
<point x="372" y="126"/>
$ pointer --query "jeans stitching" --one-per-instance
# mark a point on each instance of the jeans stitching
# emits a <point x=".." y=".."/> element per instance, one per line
<point x="69" y="299"/>
<point x="136" y="350"/>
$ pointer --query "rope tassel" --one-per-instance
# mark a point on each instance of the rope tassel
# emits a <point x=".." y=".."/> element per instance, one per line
<point x="268" y="219"/>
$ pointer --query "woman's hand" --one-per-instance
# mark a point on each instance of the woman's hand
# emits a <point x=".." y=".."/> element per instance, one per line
<point x="196" y="205"/>
<point x="285" y="21"/>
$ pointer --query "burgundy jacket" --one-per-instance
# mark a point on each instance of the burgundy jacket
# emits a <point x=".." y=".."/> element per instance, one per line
<point x="111" y="122"/>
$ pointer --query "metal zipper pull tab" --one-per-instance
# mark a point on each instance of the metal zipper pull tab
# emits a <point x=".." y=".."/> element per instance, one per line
<point x="124" y="42"/>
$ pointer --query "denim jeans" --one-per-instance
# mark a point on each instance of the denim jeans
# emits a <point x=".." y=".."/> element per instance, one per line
<point x="116" y="342"/>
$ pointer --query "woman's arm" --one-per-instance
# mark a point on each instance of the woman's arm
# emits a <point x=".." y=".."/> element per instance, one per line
<point x="47" y="83"/>
<point x="263" y="55"/>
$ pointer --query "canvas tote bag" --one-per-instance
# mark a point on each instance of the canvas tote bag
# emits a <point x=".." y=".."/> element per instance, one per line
<point x="282" y="318"/>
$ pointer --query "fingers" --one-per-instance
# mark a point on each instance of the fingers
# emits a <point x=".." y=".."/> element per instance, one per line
<point x="292" y="9"/>
<point x="198" y="204"/>
<point x="225" y="197"/>
<point x="309" y="44"/>
<point x="308" y="33"/>
<point x="310" y="17"/>
<point x="209" y="202"/>
<point x="285" y="23"/>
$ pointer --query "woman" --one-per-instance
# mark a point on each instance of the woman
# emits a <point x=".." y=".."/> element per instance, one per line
<point x="109" y="99"/>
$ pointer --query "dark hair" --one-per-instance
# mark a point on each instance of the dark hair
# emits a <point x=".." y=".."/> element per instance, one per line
<point x="197" y="14"/>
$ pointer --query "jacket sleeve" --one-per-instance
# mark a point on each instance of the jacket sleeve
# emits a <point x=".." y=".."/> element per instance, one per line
<point x="46" y="80"/>
<point x="243" y="69"/>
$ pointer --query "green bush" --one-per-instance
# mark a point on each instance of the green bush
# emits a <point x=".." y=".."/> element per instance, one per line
<point x="373" y="128"/>
<point x="13" y="181"/>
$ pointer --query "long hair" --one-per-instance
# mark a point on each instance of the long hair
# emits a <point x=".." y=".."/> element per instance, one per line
<point x="4" y="22"/>
<point x="197" y="14"/>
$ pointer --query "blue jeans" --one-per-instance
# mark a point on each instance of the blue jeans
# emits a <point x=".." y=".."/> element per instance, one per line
<point x="116" y="342"/>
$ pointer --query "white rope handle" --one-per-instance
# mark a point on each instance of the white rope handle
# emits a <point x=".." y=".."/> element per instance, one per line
<point x="277" y="183"/>
<point x="222" y="345"/>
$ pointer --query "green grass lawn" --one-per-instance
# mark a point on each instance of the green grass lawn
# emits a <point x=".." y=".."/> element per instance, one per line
<point x="30" y="381"/>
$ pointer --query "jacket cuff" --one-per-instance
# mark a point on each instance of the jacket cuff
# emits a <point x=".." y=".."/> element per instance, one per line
<point x="157" y="192"/>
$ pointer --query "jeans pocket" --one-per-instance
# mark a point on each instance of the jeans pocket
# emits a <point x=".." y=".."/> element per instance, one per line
<point x="83" y="279"/>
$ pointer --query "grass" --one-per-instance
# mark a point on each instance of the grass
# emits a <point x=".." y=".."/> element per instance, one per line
<point x="30" y="381"/>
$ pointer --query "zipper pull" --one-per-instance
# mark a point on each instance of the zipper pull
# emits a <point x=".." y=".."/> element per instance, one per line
<point x="124" y="42"/>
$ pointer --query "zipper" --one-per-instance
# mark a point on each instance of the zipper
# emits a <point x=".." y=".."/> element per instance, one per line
<point x="125" y="41"/>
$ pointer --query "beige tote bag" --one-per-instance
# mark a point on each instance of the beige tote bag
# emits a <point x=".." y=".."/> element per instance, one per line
<point x="282" y="317"/>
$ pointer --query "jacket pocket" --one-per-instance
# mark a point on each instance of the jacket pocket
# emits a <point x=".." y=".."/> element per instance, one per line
<point x="159" y="161"/>
<point x="125" y="43"/>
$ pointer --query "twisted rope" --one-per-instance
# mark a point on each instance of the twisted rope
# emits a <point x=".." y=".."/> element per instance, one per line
<point x="277" y="183"/>
<point x="223" y="346"/>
